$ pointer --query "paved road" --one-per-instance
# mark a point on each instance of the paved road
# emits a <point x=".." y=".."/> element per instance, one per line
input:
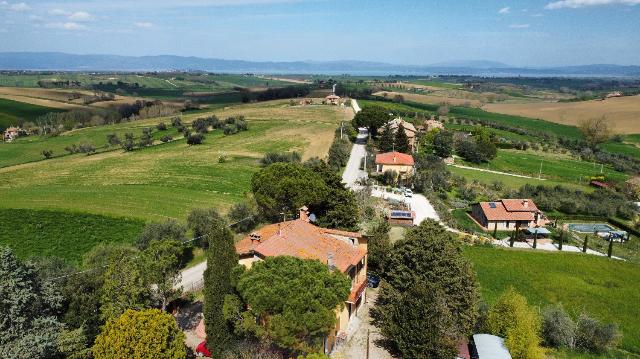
<point x="191" y="278"/>
<point x="353" y="172"/>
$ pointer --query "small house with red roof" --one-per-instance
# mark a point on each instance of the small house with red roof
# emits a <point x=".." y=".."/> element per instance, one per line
<point x="507" y="214"/>
<point x="10" y="133"/>
<point x="398" y="162"/>
<point x="339" y="250"/>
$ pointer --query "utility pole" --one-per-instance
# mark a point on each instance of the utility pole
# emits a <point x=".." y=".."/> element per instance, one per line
<point x="610" y="251"/>
<point x="341" y="127"/>
<point x="540" y="173"/>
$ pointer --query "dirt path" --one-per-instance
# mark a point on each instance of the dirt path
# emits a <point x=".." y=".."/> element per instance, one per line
<point x="496" y="172"/>
<point x="356" y="345"/>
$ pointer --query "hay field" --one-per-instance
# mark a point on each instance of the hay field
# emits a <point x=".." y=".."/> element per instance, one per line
<point x="164" y="180"/>
<point x="431" y="99"/>
<point x="622" y="112"/>
<point x="59" y="99"/>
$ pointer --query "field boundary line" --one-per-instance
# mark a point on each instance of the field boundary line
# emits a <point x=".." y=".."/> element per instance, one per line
<point x="496" y="172"/>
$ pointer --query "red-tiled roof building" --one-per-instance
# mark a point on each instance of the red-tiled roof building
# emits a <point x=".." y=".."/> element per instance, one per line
<point x="399" y="162"/>
<point x="507" y="214"/>
<point x="340" y="250"/>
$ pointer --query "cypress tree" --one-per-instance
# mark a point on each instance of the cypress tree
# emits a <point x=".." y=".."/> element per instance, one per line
<point x="221" y="259"/>
<point x="402" y="141"/>
<point x="385" y="142"/>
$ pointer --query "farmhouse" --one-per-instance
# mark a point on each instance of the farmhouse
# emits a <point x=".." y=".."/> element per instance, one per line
<point x="409" y="129"/>
<point x="332" y="99"/>
<point x="432" y="125"/>
<point x="398" y="162"/>
<point x="340" y="250"/>
<point x="10" y="133"/>
<point x="507" y="214"/>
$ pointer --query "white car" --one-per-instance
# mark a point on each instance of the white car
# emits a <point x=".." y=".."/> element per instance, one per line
<point x="408" y="193"/>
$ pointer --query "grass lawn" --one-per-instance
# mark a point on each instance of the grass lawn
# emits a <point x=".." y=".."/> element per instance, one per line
<point x="624" y="148"/>
<point x="11" y="111"/>
<point x="555" y="167"/>
<point x="166" y="180"/>
<point x="466" y="223"/>
<point x="607" y="289"/>
<point x="499" y="133"/>
<point x="445" y="85"/>
<point x="511" y="182"/>
<point x="67" y="235"/>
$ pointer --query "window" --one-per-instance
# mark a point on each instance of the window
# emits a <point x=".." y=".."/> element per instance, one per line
<point x="507" y="224"/>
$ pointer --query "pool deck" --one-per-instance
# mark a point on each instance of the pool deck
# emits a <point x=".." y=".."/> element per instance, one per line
<point x="548" y="246"/>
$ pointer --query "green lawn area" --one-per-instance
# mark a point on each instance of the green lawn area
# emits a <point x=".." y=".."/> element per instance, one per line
<point x="11" y="111"/>
<point x="510" y="181"/>
<point x="607" y="289"/>
<point x="465" y="222"/>
<point x="67" y="235"/>
<point x="165" y="180"/>
<point x="624" y="148"/>
<point x="499" y="133"/>
<point x="554" y="167"/>
<point x="432" y="83"/>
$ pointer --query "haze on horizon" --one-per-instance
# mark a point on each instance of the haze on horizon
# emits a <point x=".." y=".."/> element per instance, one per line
<point x="519" y="33"/>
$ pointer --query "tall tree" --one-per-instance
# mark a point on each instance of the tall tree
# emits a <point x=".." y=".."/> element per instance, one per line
<point x="161" y="265"/>
<point x="428" y="254"/>
<point x="371" y="117"/>
<point x="595" y="130"/>
<point x="401" y="140"/>
<point x="124" y="287"/>
<point x="149" y="333"/>
<point x="386" y="140"/>
<point x="221" y="259"/>
<point x="169" y="229"/>
<point x="378" y="246"/>
<point x="29" y="308"/>
<point x="285" y="187"/>
<point x="293" y="300"/>
<point x="443" y="143"/>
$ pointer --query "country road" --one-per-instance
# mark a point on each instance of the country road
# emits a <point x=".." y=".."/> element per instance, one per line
<point x="352" y="171"/>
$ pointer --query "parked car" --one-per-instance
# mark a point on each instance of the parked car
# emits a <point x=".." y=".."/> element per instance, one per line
<point x="408" y="193"/>
<point x="202" y="350"/>
<point x="373" y="281"/>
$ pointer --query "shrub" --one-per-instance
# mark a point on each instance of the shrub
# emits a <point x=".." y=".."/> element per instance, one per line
<point x="512" y="319"/>
<point x="176" y="122"/>
<point x="200" y="125"/>
<point x="244" y="216"/>
<point x="161" y="126"/>
<point x="47" y="154"/>
<point x="195" y="139"/>
<point x="230" y="129"/>
<point x="558" y="329"/>
<point x="166" y="138"/>
<point x="593" y="336"/>
<point x="273" y="157"/>
<point x="86" y="148"/>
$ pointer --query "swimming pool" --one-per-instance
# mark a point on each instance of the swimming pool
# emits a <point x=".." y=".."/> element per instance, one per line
<point x="590" y="227"/>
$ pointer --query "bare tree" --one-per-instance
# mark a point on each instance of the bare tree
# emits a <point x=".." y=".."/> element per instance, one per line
<point x="595" y="130"/>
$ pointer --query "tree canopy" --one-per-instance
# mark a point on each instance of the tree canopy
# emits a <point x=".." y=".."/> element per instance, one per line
<point x="371" y="117"/>
<point x="401" y="140"/>
<point x="148" y="333"/>
<point x="294" y="299"/>
<point x="428" y="259"/>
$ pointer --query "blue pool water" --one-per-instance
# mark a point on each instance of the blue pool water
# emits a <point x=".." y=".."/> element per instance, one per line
<point x="590" y="227"/>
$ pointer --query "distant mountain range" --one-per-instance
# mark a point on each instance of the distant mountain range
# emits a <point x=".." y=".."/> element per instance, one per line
<point x="43" y="61"/>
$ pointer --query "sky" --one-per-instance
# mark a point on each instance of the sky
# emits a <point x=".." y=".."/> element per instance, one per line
<point x="519" y="33"/>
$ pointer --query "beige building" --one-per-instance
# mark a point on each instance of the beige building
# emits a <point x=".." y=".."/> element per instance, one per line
<point x="398" y="162"/>
<point x="10" y="134"/>
<point x="507" y="214"/>
<point x="340" y="250"/>
<point x="409" y="129"/>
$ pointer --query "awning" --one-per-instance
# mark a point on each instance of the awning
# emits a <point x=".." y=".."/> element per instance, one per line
<point x="543" y="231"/>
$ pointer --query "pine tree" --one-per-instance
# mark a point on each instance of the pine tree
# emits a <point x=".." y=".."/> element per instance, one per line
<point x="402" y="140"/>
<point x="385" y="142"/>
<point x="221" y="259"/>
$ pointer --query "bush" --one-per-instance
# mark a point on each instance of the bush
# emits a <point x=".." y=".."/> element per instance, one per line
<point x="176" y="122"/>
<point x="593" y="336"/>
<point x="161" y="126"/>
<point x="339" y="153"/>
<point x="47" y="154"/>
<point x="195" y="139"/>
<point x="230" y="129"/>
<point x="558" y="330"/>
<point x="166" y="138"/>
<point x="244" y="217"/>
<point x="200" y="125"/>
<point x="273" y="157"/>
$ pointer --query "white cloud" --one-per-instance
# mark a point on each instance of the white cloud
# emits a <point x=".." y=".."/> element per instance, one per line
<point x="504" y="10"/>
<point x="35" y="17"/>
<point x="59" y="12"/>
<point x="145" y="25"/>
<point x="80" y="16"/>
<point x="19" y="7"/>
<point x="575" y="4"/>
<point x="519" y="26"/>
<point x="72" y="26"/>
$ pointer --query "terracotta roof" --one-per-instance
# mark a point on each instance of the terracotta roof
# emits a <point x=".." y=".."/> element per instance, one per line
<point x="301" y="239"/>
<point x="520" y="205"/>
<point x="496" y="211"/>
<point x="394" y="158"/>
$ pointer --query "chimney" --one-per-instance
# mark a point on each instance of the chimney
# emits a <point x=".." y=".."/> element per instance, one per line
<point x="525" y="203"/>
<point x="255" y="236"/>
<point x="394" y="157"/>
<point x="279" y="229"/>
<point x="330" y="262"/>
<point x="304" y="214"/>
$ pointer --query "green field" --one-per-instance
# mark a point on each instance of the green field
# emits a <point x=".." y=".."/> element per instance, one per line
<point x="11" y="111"/>
<point x="498" y="133"/>
<point x="607" y="289"/>
<point x="432" y="83"/>
<point x="67" y="235"/>
<point x="554" y="167"/>
<point x="165" y="180"/>
<point x="624" y="148"/>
